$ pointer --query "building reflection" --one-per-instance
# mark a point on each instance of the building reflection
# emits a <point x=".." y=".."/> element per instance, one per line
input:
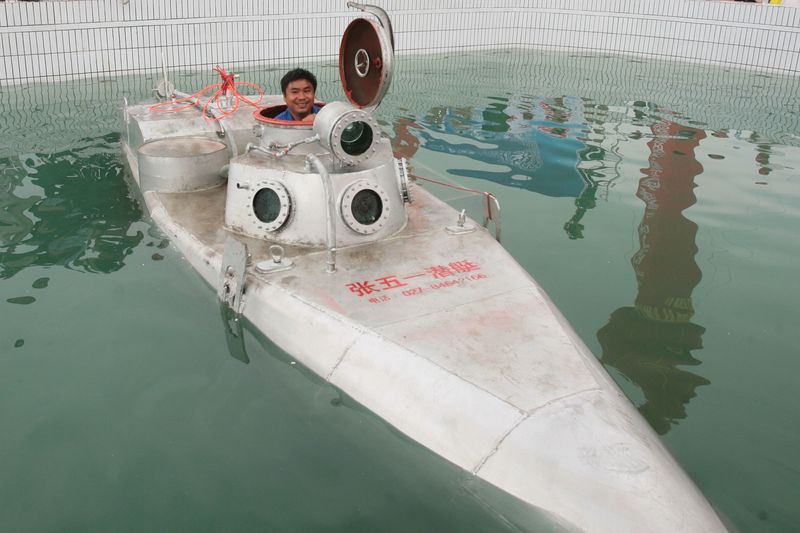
<point x="596" y="165"/>
<point x="763" y="154"/>
<point x="512" y="136"/>
<point x="405" y="143"/>
<point x="651" y="342"/>
<point x="509" y="138"/>
<point x="71" y="208"/>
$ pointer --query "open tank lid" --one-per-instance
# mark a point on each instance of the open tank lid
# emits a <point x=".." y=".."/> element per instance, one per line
<point x="366" y="58"/>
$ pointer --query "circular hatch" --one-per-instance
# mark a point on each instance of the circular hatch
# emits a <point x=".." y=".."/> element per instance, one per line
<point x="365" y="62"/>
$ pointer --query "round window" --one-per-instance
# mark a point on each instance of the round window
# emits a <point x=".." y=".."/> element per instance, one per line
<point x="271" y="205"/>
<point x="367" y="207"/>
<point x="267" y="205"/>
<point x="356" y="138"/>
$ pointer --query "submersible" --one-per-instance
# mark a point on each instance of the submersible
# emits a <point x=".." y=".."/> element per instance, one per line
<point x="316" y="234"/>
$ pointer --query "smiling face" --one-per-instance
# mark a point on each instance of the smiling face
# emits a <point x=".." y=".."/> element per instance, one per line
<point x="299" y="98"/>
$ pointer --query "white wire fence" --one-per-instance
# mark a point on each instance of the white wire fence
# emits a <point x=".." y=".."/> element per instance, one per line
<point x="63" y="40"/>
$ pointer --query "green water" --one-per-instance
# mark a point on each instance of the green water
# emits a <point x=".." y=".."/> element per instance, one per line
<point x="657" y="203"/>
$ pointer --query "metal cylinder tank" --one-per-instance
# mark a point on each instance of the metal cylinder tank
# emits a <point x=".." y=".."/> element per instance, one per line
<point x="181" y="164"/>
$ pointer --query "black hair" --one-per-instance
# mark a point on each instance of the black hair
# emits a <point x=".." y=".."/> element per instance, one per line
<point x="297" y="74"/>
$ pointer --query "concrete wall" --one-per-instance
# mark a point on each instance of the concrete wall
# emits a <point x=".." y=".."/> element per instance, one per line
<point x="62" y="40"/>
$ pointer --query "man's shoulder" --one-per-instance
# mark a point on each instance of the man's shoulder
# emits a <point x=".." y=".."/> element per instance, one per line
<point x="287" y="115"/>
<point x="284" y="115"/>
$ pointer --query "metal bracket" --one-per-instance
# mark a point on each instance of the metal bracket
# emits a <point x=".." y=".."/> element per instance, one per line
<point x="493" y="213"/>
<point x="231" y="278"/>
<point x="462" y="226"/>
<point x="278" y="262"/>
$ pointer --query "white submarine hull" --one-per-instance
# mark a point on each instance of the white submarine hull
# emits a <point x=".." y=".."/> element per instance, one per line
<point x="476" y="364"/>
<point x="441" y="333"/>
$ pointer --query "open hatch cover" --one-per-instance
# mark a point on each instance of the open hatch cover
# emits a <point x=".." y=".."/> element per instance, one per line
<point x="366" y="58"/>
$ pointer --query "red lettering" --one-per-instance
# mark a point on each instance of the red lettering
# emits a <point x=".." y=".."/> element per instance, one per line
<point x="464" y="266"/>
<point x="439" y="271"/>
<point x="412" y="292"/>
<point x="360" y="288"/>
<point x="390" y="282"/>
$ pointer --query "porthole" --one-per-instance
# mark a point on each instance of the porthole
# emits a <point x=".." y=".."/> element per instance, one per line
<point x="352" y="135"/>
<point x="271" y="205"/>
<point x="365" y="207"/>
<point x="267" y="205"/>
<point x="356" y="138"/>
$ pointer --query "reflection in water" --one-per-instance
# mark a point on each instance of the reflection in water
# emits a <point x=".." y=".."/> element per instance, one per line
<point x="405" y="143"/>
<point x="528" y="143"/>
<point x="597" y="167"/>
<point x="763" y="153"/>
<point x="69" y="208"/>
<point x="234" y="333"/>
<point x="587" y="200"/>
<point x="649" y="353"/>
<point x="501" y="136"/>
<point x="647" y="343"/>
<point x="762" y="158"/>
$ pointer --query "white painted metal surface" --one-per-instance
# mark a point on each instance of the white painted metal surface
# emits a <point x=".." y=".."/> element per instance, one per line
<point x="478" y="365"/>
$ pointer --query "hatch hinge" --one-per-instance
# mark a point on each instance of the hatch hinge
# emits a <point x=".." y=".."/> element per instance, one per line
<point x="401" y="171"/>
<point x="231" y="278"/>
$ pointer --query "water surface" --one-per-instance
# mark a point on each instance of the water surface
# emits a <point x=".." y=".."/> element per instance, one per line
<point x="657" y="203"/>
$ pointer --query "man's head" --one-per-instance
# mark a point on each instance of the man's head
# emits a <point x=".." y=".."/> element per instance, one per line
<point x="299" y="88"/>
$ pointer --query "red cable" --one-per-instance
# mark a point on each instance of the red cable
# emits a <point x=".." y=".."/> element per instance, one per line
<point x="228" y="85"/>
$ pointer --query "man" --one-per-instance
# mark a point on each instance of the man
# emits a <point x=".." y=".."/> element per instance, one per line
<point x="299" y="89"/>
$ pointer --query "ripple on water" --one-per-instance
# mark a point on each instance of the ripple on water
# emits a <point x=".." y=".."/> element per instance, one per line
<point x="70" y="208"/>
<point x="21" y="300"/>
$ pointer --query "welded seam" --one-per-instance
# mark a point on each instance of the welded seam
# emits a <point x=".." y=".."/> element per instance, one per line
<point x="341" y="358"/>
<point x="523" y="419"/>
<point x="499" y="443"/>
